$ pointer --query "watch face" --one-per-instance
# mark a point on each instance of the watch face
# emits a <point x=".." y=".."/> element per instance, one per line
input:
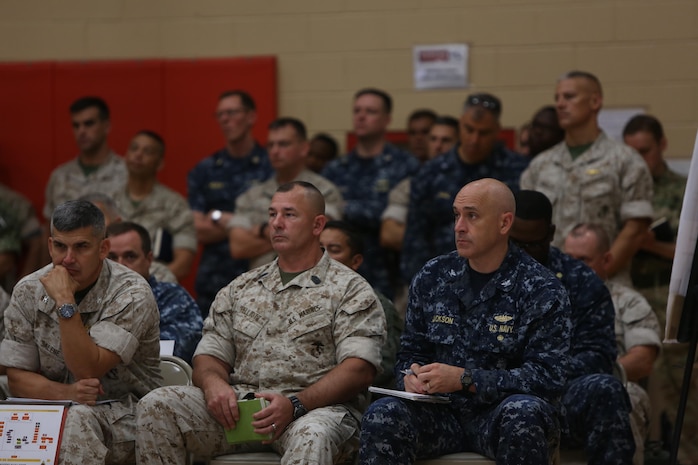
<point x="66" y="310"/>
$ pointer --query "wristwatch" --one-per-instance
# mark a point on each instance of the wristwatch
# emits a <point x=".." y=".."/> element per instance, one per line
<point x="298" y="408"/>
<point x="216" y="215"/>
<point x="66" y="311"/>
<point x="466" y="379"/>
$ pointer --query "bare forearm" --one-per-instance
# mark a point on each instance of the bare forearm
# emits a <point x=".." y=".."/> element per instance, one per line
<point x="638" y="362"/>
<point x="33" y="385"/>
<point x="661" y="249"/>
<point x="83" y="357"/>
<point x="392" y="234"/>
<point x="246" y="244"/>
<point x="208" y="232"/>
<point x="181" y="263"/>
<point x="340" y="385"/>
<point x="627" y="244"/>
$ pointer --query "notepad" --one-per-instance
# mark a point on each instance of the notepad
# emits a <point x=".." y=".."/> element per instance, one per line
<point x="244" y="431"/>
<point x="429" y="398"/>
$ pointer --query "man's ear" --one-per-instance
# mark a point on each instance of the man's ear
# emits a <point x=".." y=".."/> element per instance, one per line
<point x="356" y="261"/>
<point x="319" y="224"/>
<point x="104" y="247"/>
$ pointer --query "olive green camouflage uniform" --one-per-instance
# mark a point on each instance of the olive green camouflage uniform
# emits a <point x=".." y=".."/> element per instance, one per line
<point x="252" y="206"/>
<point x="121" y="316"/>
<point x="281" y="338"/>
<point x="68" y="181"/>
<point x="651" y="275"/>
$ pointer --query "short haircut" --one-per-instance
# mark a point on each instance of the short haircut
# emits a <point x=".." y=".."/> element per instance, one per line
<point x="83" y="103"/>
<point x="156" y="137"/>
<point x="576" y="74"/>
<point x="245" y="98"/>
<point x="329" y="140"/>
<point x="422" y="113"/>
<point x="354" y="238"/>
<point x="383" y="95"/>
<point x="645" y="123"/>
<point x="314" y="196"/>
<point x="123" y="227"/>
<point x="295" y="123"/>
<point x="106" y="201"/>
<point x="485" y="101"/>
<point x="603" y="243"/>
<point x="449" y="121"/>
<point x="77" y="214"/>
<point x="533" y="205"/>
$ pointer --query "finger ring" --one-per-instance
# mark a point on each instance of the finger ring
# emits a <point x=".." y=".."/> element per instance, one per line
<point x="273" y="426"/>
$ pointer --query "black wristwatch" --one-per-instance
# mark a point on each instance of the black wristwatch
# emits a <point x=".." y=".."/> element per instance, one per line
<point x="66" y="311"/>
<point x="298" y="408"/>
<point x="466" y="379"/>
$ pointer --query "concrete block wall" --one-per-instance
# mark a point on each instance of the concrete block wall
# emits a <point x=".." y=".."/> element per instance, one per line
<point x="644" y="51"/>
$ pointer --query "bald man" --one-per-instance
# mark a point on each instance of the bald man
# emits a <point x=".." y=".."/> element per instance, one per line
<point x="488" y="326"/>
<point x="589" y="177"/>
<point x="304" y="331"/>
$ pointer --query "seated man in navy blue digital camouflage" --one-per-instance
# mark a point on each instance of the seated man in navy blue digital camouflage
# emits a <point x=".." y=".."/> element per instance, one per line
<point x="596" y="403"/>
<point x="488" y="326"/>
<point x="180" y="317"/>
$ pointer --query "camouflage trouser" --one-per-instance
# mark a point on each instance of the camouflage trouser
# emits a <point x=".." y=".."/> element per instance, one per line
<point x="598" y="418"/>
<point x="173" y="421"/>
<point x="639" y="419"/>
<point x="521" y="430"/>
<point x="100" y="434"/>
<point x="666" y="381"/>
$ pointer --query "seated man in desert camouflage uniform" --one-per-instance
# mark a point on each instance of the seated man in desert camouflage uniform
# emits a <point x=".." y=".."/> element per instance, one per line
<point x="304" y="332"/>
<point x="84" y="329"/>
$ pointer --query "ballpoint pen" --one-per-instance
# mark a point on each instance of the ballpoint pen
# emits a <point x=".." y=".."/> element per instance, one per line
<point x="407" y="372"/>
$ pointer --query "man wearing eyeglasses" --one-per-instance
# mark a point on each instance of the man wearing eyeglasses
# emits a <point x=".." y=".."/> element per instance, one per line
<point x="589" y="177"/>
<point x="479" y="155"/>
<point x="597" y="408"/>
<point x="215" y="183"/>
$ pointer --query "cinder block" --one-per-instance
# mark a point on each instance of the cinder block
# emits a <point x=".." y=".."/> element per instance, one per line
<point x="85" y="9"/>
<point x="271" y="34"/>
<point x="387" y="69"/>
<point x="198" y="38"/>
<point x="20" y="41"/>
<point x="531" y="66"/>
<point x="670" y="102"/>
<point x="640" y="62"/>
<point x="159" y="9"/>
<point x="657" y="20"/>
<point x="347" y="32"/>
<point x="295" y="105"/>
<point x="572" y="24"/>
<point x="330" y="110"/>
<point x="133" y="39"/>
<point x="310" y="72"/>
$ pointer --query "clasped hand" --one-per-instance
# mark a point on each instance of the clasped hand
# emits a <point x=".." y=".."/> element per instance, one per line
<point x="433" y="378"/>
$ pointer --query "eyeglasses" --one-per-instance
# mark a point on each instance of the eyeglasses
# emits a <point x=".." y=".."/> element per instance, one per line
<point x="229" y="113"/>
<point x="489" y="102"/>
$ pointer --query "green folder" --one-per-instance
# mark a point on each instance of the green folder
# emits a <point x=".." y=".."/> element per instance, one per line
<point x="244" y="431"/>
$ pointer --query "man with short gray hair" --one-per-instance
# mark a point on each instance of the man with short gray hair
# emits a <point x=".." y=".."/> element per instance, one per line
<point x="84" y="329"/>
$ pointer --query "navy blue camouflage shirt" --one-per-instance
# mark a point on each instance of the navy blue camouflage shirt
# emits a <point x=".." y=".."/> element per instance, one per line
<point x="593" y="343"/>
<point x="180" y="317"/>
<point x="365" y="184"/>
<point x="514" y="334"/>
<point x="214" y="183"/>
<point x="429" y="229"/>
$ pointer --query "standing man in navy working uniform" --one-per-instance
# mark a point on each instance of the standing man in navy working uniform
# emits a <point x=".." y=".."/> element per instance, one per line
<point x="214" y="184"/>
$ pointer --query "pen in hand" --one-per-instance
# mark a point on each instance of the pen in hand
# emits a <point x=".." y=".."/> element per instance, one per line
<point x="407" y="372"/>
